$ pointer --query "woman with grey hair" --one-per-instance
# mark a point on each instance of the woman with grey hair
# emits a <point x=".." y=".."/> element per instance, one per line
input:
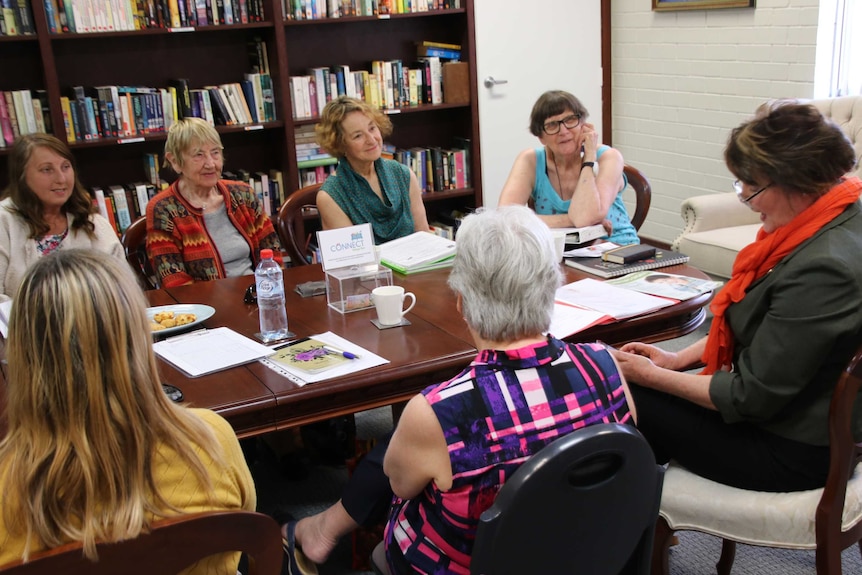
<point x="458" y="441"/>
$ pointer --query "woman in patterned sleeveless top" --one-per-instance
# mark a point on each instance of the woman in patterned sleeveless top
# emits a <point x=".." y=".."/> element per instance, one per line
<point x="457" y="442"/>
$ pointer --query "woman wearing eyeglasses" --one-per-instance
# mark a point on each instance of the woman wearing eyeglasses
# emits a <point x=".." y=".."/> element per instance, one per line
<point x="571" y="179"/>
<point x="785" y="325"/>
<point x="204" y="227"/>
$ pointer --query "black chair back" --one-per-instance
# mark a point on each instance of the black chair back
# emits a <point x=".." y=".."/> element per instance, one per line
<point x="587" y="503"/>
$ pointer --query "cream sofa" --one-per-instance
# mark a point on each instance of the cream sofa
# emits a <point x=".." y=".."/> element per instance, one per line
<point x="717" y="226"/>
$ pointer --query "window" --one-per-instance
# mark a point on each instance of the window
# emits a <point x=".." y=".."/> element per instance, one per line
<point x="838" y="65"/>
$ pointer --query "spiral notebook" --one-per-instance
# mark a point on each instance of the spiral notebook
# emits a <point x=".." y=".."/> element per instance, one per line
<point x="601" y="268"/>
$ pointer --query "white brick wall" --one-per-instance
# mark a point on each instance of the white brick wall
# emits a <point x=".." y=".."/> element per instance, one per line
<point x="683" y="80"/>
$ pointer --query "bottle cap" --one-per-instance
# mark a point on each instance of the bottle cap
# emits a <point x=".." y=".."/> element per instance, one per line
<point x="266" y="254"/>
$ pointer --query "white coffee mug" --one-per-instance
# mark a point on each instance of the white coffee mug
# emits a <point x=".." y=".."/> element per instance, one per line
<point x="559" y="243"/>
<point x="389" y="300"/>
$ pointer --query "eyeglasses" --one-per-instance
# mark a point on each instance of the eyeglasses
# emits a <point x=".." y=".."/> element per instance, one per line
<point x="737" y="187"/>
<point x="570" y="122"/>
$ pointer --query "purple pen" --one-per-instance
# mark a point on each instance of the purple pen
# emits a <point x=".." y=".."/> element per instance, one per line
<point x="346" y="354"/>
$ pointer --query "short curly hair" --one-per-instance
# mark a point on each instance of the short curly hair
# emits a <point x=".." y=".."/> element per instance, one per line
<point x="330" y="136"/>
<point x="791" y="144"/>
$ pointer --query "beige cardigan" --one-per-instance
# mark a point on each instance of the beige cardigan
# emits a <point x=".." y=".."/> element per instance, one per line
<point x="18" y="250"/>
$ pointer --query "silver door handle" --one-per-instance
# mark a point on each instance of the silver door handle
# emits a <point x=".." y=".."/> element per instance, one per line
<point x="490" y="82"/>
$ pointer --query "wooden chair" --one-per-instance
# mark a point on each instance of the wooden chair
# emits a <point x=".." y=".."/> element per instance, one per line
<point x="171" y="546"/>
<point x="134" y="242"/>
<point x="643" y="194"/>
<point x="586" y="503"/>
<point x="291" y="226"/>
<point x="827" y="520"/>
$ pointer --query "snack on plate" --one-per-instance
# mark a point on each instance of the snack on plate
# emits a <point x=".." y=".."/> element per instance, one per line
<point x="166" y="319"/>
<point x="185" y="318"/>
<point x="162" y="315"/>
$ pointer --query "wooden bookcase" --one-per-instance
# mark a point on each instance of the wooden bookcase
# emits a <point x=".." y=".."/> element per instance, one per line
<point x="219" y="54"/>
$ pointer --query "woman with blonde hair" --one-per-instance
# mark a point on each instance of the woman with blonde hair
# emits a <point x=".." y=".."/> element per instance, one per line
<point x="204" y="227"/>
<point x="95" y="451"/>
<point x="366" y="188"/>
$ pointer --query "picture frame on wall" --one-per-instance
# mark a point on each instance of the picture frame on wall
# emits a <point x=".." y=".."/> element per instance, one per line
<point x="668" y="5"/>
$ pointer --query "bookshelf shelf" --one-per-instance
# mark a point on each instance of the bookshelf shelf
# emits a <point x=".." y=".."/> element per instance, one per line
<point x="352" y="19"/>
<point x="160" y="31"/>
<point x="214" y="55"/>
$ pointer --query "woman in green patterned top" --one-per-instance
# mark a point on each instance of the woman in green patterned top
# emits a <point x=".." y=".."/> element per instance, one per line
<point x="366" y="188"/>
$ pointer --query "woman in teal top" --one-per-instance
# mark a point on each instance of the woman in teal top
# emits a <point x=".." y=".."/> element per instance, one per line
<point x="572" y="180"/>
<point x="366" y="188"/>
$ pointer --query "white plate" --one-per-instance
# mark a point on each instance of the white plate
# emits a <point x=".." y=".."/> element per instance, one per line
<point x="202" y="313"/>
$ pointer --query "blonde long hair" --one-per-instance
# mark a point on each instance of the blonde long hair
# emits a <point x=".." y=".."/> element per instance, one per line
<point x="86" y="410"/>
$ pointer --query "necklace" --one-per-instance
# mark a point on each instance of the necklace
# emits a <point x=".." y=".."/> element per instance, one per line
<point x="198" y="203"/>
<point x="561" y="191"/>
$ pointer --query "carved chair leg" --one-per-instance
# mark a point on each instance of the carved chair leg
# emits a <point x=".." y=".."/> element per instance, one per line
<point x="728" y="552"/>
<point x="661" y="544"/>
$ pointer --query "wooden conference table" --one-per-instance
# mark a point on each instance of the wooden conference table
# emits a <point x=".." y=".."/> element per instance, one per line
<point x="436" y="346"/>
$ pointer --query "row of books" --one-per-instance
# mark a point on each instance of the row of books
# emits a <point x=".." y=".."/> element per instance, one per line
<point x="123" y="111"/>
<point x="390" y="84"/>
<point x="315" y="165"/>
<point x="87" y="16"/>
<point x="267" y="186"/>
<point x="23" y="112"/>
<point x="446" y="224"/>
<point x="437" y="168"/>
<point x="16" y="18"/>
<point x="123" y="204"/>
<point x="318" y="9"/>
<point x="316" y="175"/>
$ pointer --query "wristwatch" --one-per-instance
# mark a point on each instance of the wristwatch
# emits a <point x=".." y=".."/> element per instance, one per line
<point x="587" y="165"/>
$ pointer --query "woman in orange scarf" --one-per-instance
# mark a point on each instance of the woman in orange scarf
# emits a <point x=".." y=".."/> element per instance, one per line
<point x="785" y="325"/>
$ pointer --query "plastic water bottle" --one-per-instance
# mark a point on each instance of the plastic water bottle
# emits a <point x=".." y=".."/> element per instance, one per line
<point x="269" y="280"/>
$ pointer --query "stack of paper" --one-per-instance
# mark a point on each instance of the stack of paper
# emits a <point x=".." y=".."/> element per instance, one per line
<point x="617" y="302"/>
<point x="208" y="350"/>
<point x="418" y="252"/>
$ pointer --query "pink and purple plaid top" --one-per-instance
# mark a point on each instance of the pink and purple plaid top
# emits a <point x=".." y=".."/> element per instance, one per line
<point x="502" y="409"/>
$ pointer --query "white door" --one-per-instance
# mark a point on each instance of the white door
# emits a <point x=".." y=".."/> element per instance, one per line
<point x="533" y="47"/>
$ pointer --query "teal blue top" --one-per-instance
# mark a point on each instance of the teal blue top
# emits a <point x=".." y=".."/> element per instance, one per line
<point x="391" y="217"/>
<point x="548" y="202"/>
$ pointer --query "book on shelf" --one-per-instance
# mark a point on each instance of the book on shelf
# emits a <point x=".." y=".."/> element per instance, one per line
<point x="605" y="269"/>
<point x="442" y="53"/>
<point x="7" y="135"/>
<point x="420" y="251"/>
<point x="121" y="205"/>
<point x="442" y="45"/>
<point x="667" y="285"/>
<point x="317" y="162"/>
<point x="456" y="82"/>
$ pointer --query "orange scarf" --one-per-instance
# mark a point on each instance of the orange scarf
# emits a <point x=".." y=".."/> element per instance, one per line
<point x="757" y="258"/>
